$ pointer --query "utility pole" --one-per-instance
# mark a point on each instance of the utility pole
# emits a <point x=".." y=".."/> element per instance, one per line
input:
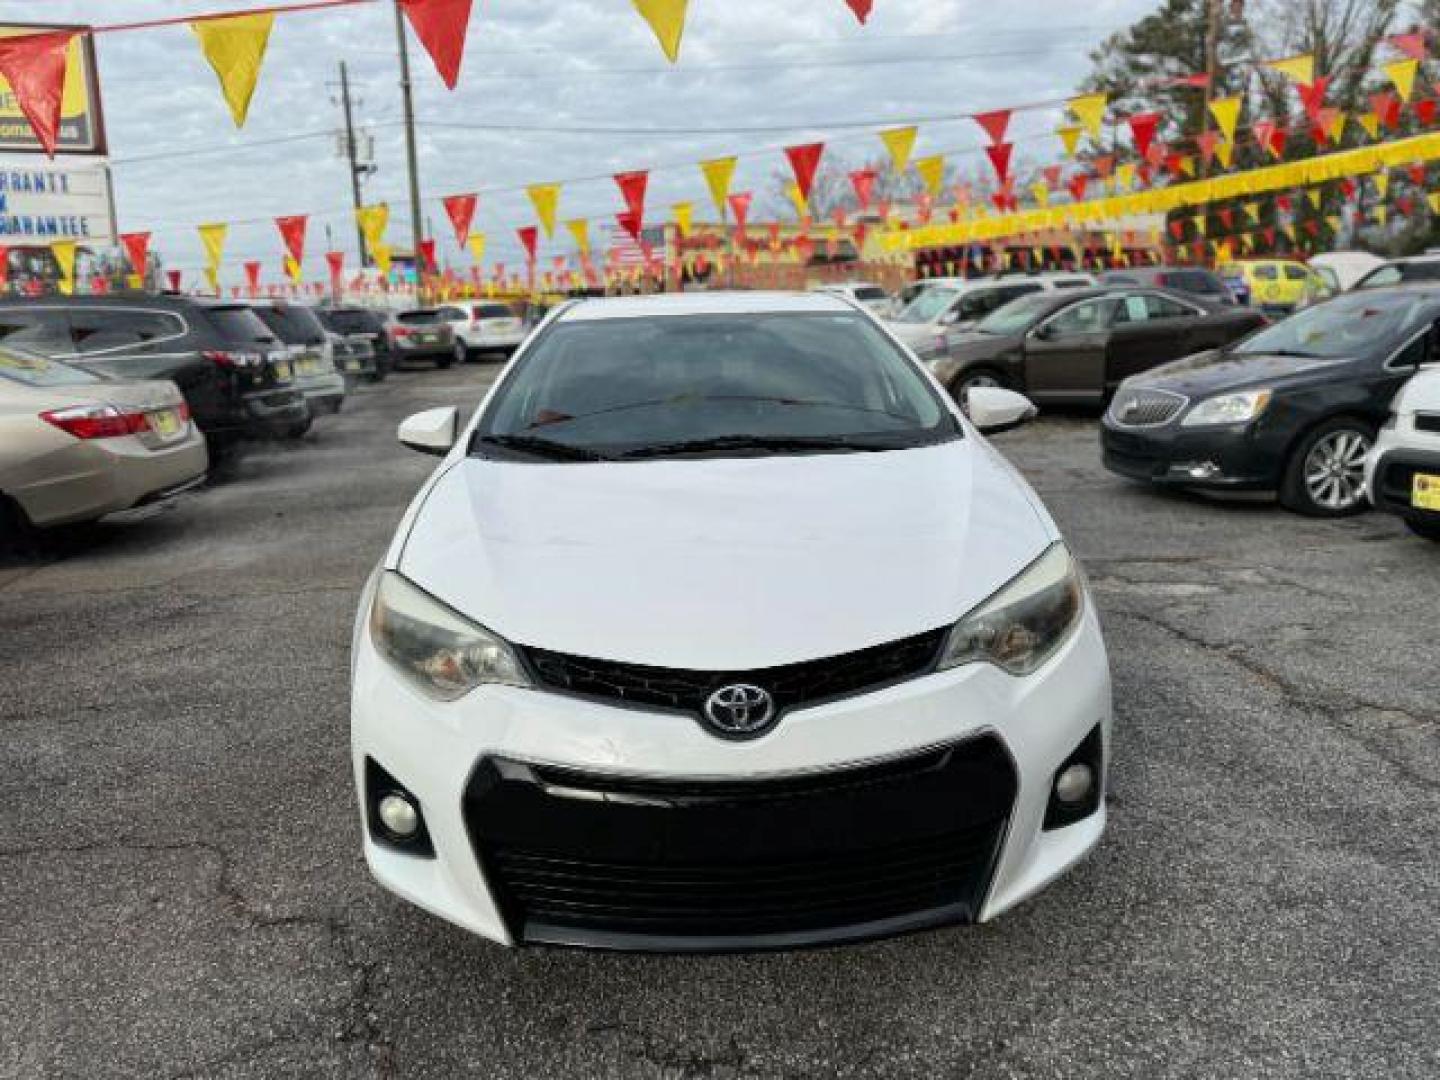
<point x="352" y="155"/>
<point x="416" y="224"/>
<point x="1214" y="17"/>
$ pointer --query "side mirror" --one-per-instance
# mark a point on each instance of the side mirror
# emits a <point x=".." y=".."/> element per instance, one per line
<point x="1044" y="333"/>
<point x="994" y="410"/>
<point x="431" y="432"/>
<point x="949" y="318"/>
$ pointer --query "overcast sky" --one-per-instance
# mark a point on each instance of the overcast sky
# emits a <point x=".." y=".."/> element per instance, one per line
<point x="574" y="64"/>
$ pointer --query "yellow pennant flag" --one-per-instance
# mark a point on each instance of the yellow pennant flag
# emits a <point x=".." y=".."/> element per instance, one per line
<point x="1382" y="215"/>
<point x="1089" y="109"/>
<point x="1227" y="114"/>
<point x="235" y="48"/>
<point x="1402" y="74"/>
<point x="1252" y="211"/>
<point x="1200" y="223"/>
<point x="932" y="171"/>
<point x="476" y="241"/>
<point x="1333" y="222"/>
<point x="899" y="142"/>
<point x="718" y="173"/>
<point x="292" y="268"/>
<point x="212" y="275"/>
<point x="667" y="20"/>
<point x="1187" y="164"/>
<point x="373" y="221"/>
<point x="1041" y="193"/>
<point x="545" y="198"/>
<point x="1125" y="175"/>
<point x="1382" y="183"/>
<point x="213" y="237"/>
<point x="1316" y="196"/>
<point x="1337" y="126"/>
<point x="64" y="252"/>
<point x="1225" y="153"/>
<point x="1371" y="123"/>
<point x="1070" y="137"/>
<point x="797" y="199"/>
<point x="683" y="212"/>
<point x="1300" y="69"/>
<point x="382" y="257"/>
<point x="580" y="230"/>
<point x="1433" y="199"/>
<point x="134" y="282"/>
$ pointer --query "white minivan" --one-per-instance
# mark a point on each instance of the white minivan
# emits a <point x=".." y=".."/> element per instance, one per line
<point x="718" y="626"/>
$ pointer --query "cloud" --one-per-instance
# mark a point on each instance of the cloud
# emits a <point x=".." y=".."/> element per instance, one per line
<point x="574" y="64"/>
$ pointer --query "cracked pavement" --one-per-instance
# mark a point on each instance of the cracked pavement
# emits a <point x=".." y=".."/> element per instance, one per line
<point x="184" y="896"/>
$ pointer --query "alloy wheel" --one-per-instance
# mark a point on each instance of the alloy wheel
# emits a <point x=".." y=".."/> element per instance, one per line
<point x="1335" y="469"/>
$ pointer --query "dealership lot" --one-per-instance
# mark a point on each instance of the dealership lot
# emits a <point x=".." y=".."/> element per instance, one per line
<point x="184" y="894"/>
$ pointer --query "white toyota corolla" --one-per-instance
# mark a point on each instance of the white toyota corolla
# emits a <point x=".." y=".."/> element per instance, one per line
<point x="719" y="627"/>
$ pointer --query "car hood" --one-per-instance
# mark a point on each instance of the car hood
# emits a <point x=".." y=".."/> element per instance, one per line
<point x="1218" y="370"/>
<point x="725" y="564"/>
<point x="914" y="333"/>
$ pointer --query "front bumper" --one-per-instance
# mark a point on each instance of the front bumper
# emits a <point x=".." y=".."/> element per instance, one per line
<point x="527" y="794"/>
<point x="1238" y="457"/>
<point x="323" y="393"/>
<point x="1390" y="474"/>
<point x="272" y="411"/>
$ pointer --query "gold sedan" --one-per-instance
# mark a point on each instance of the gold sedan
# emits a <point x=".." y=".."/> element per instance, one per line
<point x="76" y="446"/>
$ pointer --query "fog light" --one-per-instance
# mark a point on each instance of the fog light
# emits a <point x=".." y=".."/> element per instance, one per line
<point x="1072" y="786"/>
<point x="1202" y="470"/>
<point x="399" y="816"/>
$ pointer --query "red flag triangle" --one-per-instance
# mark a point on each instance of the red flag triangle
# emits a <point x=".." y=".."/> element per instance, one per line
<point x="34" y="66"/>
<point x="861" y="8"/>
<point x="441" y="25"/>
<point x="740" y="207"/>
<point x="460" y="209"/>
<point x="632" y="189"/>
<point x="292" y="232"/>
<point x="1312" y="96"/>
<point x="1142" y="129"/>
<point x="630" y="222"/>
<point x="137" y="250"/>
<point x="995" y="123"/>
<point x="863" y="181"/>
<point x="529" y="235"/>
<point x="805" y="160"/>
<point x="999" y="156"/>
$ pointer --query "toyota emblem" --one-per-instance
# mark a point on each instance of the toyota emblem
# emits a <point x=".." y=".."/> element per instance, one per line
<point x="740" y="710"/>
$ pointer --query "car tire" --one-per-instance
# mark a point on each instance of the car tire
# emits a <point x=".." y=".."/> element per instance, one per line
<point x="298" y="428"/>
<point x="17" y="535"/>
<point x="966" y="381"/>
<point x="1325" y="474"/>
<point x="443" y="362"/>
<point x="1430" y="529"/>
<point x="463" y="355"/>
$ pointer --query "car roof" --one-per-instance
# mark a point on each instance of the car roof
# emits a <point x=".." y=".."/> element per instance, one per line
<point x="704" y="303"/>
<point x="1423" y="258"/>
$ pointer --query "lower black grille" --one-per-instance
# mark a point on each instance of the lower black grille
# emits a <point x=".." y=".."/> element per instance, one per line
<point x="1427" y="422"/>
<point x="1144" y="408"/>
<point x="581" y="858"/>
<point x="791" y="685"/>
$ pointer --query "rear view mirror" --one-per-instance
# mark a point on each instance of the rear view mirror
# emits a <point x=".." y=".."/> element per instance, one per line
<point x="431" y="432"/>
<point x="993" y="410"/>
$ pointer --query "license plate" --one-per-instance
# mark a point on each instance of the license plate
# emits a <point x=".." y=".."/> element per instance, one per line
<point x="164" y="422"/>
<point x="427" y="339"/>
<point x="1425" y="492"/>
<point x="307" y="366"/>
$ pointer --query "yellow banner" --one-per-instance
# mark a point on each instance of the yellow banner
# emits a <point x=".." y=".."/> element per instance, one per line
<point x="235" y="49"/>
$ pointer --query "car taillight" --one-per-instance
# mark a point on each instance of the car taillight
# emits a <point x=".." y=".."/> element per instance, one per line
<point x="183" y="410"/>
<point x="96" y="421"/>
<point x="229" y="358"/>
<point x="400" y="331"/>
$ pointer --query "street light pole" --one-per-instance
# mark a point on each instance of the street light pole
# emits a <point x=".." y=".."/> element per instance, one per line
<point x="416" y="224"/>
<point x="351" y="154"/>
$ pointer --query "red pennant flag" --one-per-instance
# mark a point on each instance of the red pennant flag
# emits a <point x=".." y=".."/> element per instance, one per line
<point x="1311" y="226"/>
<point x="631" y="223"/>
<point x="740" y="207"/>
<point x="861" y="8"/>
<point x="1177" y="228"/>
<point x="528" y="235"/>
<point x="1406" y="205"/>
<point x="1424" y="109"/>
<point x="1264" y="132"/>
<point x="427" y="255"/>
<point x="292" y="232"/>
<point x="1142" y="129"/>
<point x="1277" y="141"/>
<point x="1285" y="203"/>
<point x="1104" y="165"/>
<point x="861" y="231"/>
<point x="1412" y="45"/>
<point x="1386" y="108"/>
<point x="137" y="250"/>
<point x="999" y="156"/>
<point x="1052" y="176"/>
<point x="1077" y="185"/>
<point x="1416" y="172"/>
<point x="863" y="181"/>
<point x="336" y="261"/>
<point x="804" y="161"/>
<point x="4" y="266"/>
<point x="441" y="25"/>
<point x="1269" y="233"/>
<point x="252" y="277"/>
<point x="34" y="66"/>
<point x="995" y="123"/>
<point x="1347" y="187"/>
<point x="1312" y="96"/>
<point x="460" y="209"/>
<point x="1174" y="163"/>
<point x="632" y="190"/>
<point x="1207" y="141"/>
<point x="173" y="277"/>
<point x="1227" y="218"/>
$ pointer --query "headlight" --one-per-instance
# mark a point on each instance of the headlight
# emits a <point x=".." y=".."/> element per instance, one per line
<point x="442" y="652"/>
<point x="1022" y="625"/>
<point x="1229" y="409"/>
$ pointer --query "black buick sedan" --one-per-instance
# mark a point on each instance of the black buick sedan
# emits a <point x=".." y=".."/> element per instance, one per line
<point x="1075" y="346"/>
<point x="1293" y="409"/>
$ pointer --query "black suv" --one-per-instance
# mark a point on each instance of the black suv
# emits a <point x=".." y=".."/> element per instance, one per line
<point x="216" y="352"/>
<point x="361" y="324"/>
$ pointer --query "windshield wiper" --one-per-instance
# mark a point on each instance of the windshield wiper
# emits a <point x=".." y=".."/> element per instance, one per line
<point x="776" y="443"/>
<point x="544" y="448"/>
<point x="1295" y="352"/>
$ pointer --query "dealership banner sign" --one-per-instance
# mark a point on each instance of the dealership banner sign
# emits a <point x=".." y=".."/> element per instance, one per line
<point x="81" y="130"/>
<point x="42" y="204"/>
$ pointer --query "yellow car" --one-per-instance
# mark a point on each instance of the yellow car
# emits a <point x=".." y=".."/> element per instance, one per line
<point x="1276" y="286"/>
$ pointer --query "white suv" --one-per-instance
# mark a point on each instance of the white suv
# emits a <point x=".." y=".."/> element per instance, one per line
<point x="483" y="326"/>
<point x="956" y="303"/>
<point x="1402" y="475"/>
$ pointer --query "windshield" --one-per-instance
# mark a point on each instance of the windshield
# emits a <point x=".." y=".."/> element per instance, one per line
<point x="350" y="321"/>
<point x="239" y="324"/>
<point x="1017" y="316"/>
<point x="928" y="306"/>
<point x="1398" y="273"/>
<point x="870" y="292"/>
<point x="492" y="311"/>
<point x="770" y="382"/>
<point x="1346" y="326"/>
<point x="418" y="318"/>
<point x="293" y="325"/>
<point x="35" y="370"/>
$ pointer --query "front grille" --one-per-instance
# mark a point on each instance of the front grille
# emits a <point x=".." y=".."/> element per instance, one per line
<point x="791" y="685"/>
<point x="1427" y="422"/>
<point x="1145" y="408"/>
<point x="646" y="862"/>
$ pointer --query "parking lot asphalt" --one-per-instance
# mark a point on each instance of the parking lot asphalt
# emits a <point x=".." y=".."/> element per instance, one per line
<point x="183" y="892"/>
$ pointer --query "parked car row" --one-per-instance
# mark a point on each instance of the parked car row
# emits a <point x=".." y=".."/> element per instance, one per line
<point x="111" y="406"/>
